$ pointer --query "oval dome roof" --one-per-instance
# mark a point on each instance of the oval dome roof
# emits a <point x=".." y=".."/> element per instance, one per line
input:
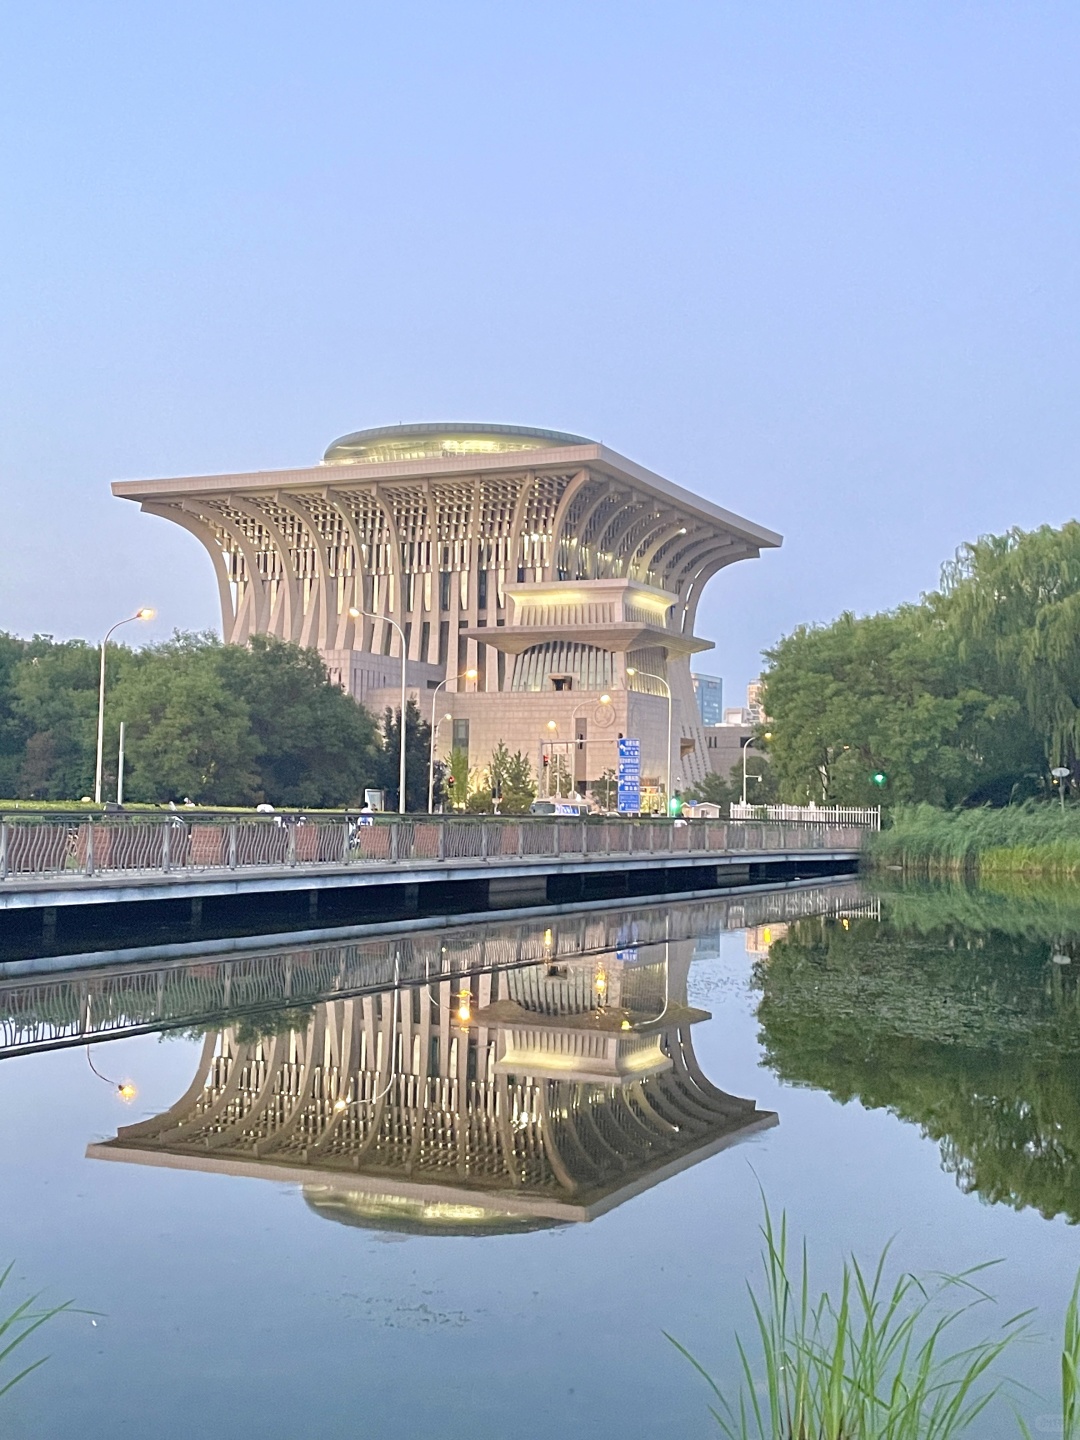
<point x="424" y="442"/>
<point x="411" y="1215"/>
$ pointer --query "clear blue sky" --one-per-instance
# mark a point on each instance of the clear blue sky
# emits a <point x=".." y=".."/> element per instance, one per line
<point x="816" y="261"/>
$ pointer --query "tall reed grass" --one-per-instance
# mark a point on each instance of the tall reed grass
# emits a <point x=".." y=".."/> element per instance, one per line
<point x="873" y="1360"/>
<point x="1033" y="839"/>
<point x="16" y="1328"/>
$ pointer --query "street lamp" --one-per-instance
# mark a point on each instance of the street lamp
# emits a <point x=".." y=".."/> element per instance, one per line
<point x="1061" y="774"/>
<point x="356" y="613"/>
<point x="144" y="614"/>
<point x="431" y="762"/>
<point x="604" y="700"/>
<point x="553" y="727"/>
<point x="645" y="674"/>
<point x="465" y="675"/>
<point x="745" y="743"/>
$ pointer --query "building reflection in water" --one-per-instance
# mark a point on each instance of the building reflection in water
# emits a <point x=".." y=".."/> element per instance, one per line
<point x="508" y="1100"/>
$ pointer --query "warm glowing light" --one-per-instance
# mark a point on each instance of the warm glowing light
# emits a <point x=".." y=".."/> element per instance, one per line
<point x="552" y="725"/>
<point x="464" y="1012"/>
<point x="145" y="614"/>
<point x="340" y="1105"/>
<point x="625" y="1025"/>
<point x="354" y="612"/>
<point x="658" y="604"/>
<point x="471" y="674"/>
<point x="600" y="981"/>
<point x="127" y="1092"/>
<point x="605" y="699"/>
<point x="630" y="670"/>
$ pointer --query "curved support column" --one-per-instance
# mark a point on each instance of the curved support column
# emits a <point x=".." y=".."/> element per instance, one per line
<point x="203" y="532"/>
<point x="283" y="613"/>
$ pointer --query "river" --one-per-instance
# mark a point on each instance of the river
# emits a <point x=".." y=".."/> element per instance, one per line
<point x="462" y="1184"/>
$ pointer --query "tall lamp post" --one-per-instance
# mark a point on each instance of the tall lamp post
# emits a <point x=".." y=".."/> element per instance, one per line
<point x="746" y="743"/>
<point x="604" y="700"/>
<point x="356" y="613"/>
<point x="646" y="675"/>
<point x="553" y="729"/>
<point x="465" y="675"/>
<point x="431" y="759"/>
<point x="144" y="614"/>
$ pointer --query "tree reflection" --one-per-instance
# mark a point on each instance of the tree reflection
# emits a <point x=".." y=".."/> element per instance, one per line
<point x="965" y="1029"/>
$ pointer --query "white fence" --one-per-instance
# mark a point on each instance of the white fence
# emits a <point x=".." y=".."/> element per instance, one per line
<point x="868" y="817"/>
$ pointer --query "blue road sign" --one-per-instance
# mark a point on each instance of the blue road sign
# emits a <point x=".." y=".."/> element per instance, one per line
<point x="629" y="777"/>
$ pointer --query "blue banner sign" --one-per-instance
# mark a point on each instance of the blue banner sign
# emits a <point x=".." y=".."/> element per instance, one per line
<point x="629" y="777"/>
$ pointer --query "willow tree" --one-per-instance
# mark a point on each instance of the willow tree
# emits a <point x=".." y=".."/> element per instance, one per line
<point x="1013" y="603"/>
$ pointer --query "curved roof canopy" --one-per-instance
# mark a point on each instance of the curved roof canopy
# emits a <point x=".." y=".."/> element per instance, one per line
<point x="420" y="442"/>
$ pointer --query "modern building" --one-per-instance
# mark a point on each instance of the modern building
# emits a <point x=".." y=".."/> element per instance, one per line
<point x="709" y="692"/>
<point x="564" y="575"/>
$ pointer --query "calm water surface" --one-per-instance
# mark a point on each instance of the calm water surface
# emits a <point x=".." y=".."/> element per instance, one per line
<point x="469" y="1204"/>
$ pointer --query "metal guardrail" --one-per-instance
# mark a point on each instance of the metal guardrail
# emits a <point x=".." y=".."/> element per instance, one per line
<point x="151" y="845"/>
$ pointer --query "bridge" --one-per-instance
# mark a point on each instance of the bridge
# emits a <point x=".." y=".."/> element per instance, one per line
<point x="68" y="881"/>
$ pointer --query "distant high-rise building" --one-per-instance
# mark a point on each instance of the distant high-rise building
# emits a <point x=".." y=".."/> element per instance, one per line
<point x="709" y="693"/>
<point x="753" y="702"/>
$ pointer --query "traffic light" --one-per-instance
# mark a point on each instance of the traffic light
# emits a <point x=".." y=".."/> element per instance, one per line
<point x="879" y="778"/>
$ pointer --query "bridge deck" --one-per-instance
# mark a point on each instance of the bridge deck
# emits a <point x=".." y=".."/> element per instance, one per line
<point x="129" y="886"/>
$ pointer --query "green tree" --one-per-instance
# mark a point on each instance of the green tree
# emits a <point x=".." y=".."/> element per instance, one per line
<point x="1012" y="604"/>
<point x="519" y="785"/>
<point x="316" y="746"/>
<point x="189" y="733"/>
<point x="497" y="768"/>
<point x="457" y="782"/>
<point x="890" y="693"/>
<point x="53" y="697"/>
<point x="605" y="790"/>
<point x="12" y="727"/>
<point x="417" y="755"/>
<point x="223" y="724"/>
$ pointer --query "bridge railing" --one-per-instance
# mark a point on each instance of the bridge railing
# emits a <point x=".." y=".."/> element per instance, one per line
<point x="52" y="1011"/>
<point x="151" y="845"/>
